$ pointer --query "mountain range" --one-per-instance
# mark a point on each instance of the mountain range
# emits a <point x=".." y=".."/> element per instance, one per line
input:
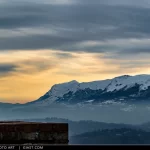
<point x="119" y="89"/>
<point x="122" y="99"/>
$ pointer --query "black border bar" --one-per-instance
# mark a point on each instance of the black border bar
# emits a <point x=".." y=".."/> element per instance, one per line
<point x="46" y="146"/>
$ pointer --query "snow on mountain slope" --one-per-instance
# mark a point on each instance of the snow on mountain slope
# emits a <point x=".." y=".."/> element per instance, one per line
<point x="59" y="90"/>
<point x="129" y="81"/>
<point x="122" y="82"/>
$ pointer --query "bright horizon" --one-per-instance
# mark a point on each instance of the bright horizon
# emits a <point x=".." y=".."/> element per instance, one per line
<point x="43" y="43"/>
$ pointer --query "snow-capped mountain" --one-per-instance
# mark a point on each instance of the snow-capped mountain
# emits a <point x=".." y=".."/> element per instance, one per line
<point x="122" y="88"/>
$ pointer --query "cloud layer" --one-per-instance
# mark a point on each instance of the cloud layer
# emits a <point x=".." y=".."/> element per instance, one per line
<point x="65" y="25"/>
<point x="47" y="42"/>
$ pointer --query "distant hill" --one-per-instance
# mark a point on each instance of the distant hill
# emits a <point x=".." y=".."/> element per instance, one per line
<point x="112" y="136"/>
<point x="92" y="132"/>
<point x="79" y="127"/>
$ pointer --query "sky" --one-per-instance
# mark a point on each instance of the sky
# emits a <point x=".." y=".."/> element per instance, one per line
<point x="45" y="42"/>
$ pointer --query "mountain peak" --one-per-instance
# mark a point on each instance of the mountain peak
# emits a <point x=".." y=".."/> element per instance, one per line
<point x="69" y="82"/>
<point x="73" y="81"/>
<point x="123" y="76"/>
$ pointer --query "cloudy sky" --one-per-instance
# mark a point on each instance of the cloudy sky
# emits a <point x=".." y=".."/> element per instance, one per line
<point x="43" y="42"/>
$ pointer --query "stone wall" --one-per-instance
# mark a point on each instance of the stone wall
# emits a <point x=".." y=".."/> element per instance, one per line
<point x="31" y="132"/>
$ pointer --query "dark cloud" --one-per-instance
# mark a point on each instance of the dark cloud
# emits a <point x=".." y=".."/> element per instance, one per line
<point x="62" y="55"/>
<point x="140" y="3"/>
<point x="6" y="68"/>
<point x="27" y="66"/>
<point x="138" y="50"/>
<point x="65" y="27"/>
<point x="35" y="65"/>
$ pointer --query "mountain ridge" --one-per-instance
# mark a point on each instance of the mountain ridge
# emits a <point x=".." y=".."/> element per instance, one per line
<point x="121" y="87"/>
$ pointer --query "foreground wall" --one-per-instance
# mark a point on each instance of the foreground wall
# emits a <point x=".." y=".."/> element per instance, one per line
<point x="27" y="132"/>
